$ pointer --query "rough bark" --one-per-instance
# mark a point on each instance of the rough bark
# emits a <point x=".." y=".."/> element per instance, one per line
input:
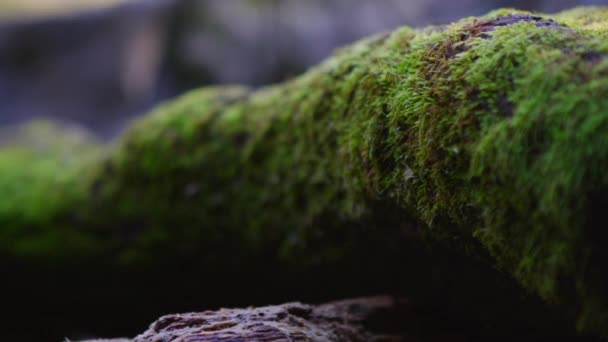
<point x="486" y="136"/>
<point x="351" y="320"/>
<point x="370" y="319"/>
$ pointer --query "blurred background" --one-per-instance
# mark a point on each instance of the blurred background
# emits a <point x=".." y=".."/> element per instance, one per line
<point x="100" y="63"/>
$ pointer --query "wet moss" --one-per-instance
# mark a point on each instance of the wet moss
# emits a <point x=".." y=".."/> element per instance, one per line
<point x="488" y="133"/>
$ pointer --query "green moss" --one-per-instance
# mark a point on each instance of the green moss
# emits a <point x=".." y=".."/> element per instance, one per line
<point x="490" y="133"/>
<point x="41" y="182"/>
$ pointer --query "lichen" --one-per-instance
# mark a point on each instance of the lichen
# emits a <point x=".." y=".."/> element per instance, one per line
<point x="489" y="133"/>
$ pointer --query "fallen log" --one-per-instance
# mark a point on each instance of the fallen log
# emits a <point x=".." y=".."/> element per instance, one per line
<point x="487" y="136"/>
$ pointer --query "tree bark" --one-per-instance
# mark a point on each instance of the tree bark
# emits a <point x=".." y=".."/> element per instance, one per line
<point x="350" y="320"/>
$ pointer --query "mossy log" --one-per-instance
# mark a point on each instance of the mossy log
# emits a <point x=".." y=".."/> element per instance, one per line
<point x="486" y="136"/>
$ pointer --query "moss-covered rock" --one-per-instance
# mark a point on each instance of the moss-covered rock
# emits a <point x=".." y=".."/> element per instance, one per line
<point x="488" y="135"/>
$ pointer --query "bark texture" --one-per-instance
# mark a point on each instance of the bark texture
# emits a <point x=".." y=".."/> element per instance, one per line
<point x="365" y="319"/>
<point x="351" y="320"/>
